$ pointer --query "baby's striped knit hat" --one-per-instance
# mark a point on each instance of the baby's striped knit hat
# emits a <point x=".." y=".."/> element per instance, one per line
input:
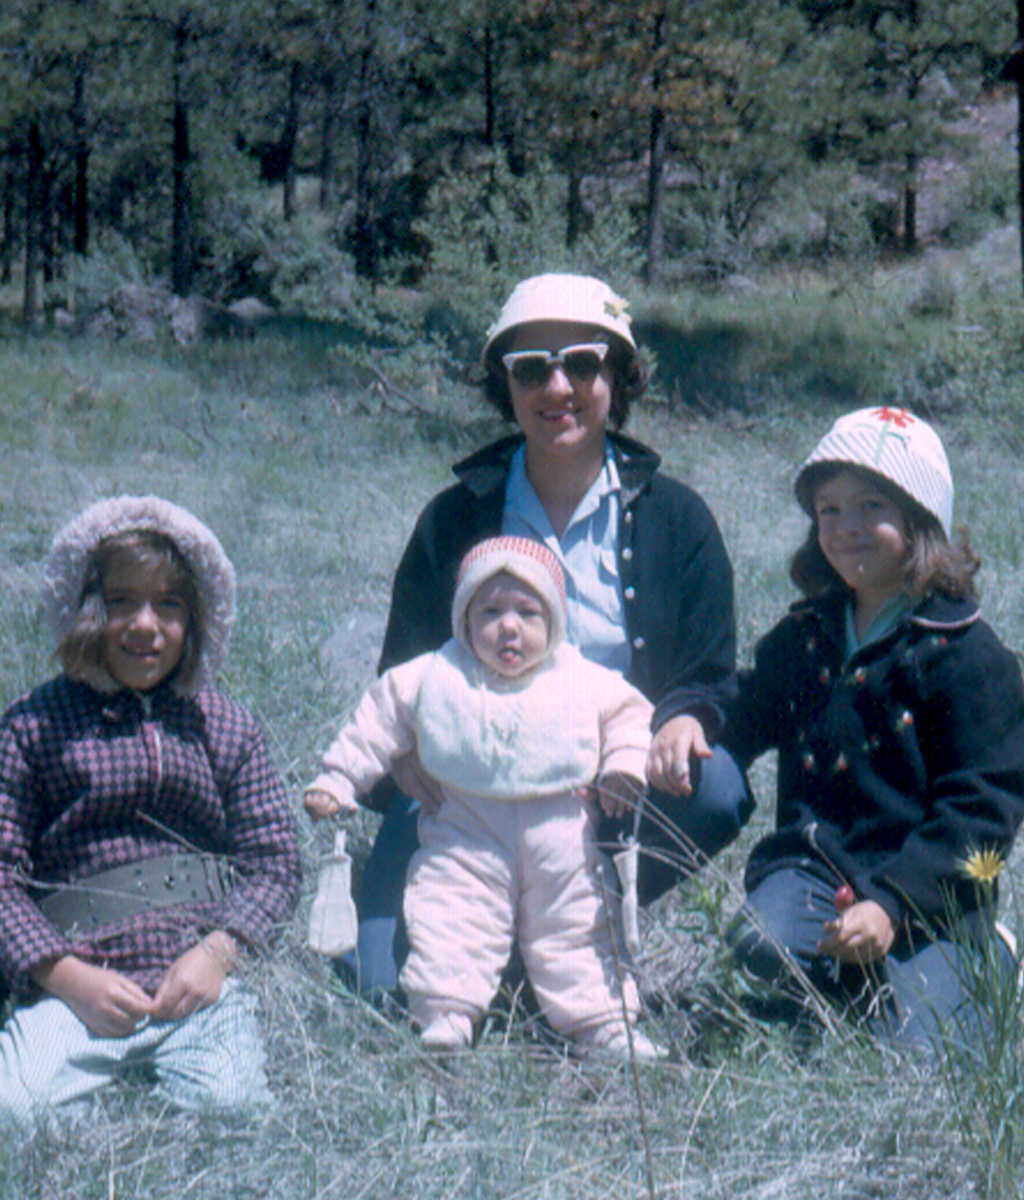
<point x="528" y="561"/>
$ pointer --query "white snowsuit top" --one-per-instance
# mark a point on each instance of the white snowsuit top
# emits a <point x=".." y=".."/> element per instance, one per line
<point x="561" y="726"/>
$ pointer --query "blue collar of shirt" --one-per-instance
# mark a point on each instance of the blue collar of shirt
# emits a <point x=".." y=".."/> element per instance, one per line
<point x="885" y="620"/>
<point x="521" y="499"/>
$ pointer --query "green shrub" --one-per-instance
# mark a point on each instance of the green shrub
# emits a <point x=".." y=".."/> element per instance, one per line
<point x="491" y="228"/>
<point x="112" y="263"/>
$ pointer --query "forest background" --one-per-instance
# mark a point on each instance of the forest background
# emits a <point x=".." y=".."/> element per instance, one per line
<point x="302" y="153"/>
<point x="248" y="252"/>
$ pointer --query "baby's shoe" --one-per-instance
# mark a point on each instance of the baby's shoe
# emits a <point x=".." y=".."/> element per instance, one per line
<point x="449" y="1032"/>
<point x="612" y="1041"/>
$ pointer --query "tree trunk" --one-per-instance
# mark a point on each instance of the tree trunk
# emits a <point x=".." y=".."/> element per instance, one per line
<point x="574" y="202"/>
<point x="1017" y="73"/>
<point x="910" y="162"/>
<point x="656" y="166"/>
<point x="290" y="139"/>
<point x="362" y="235"/>
<point x="80" y="193"/>
<point x="181" y="201"/>
<point x="656" y="200"/>
<point x="490" y="101"/>
<point x="8" y="239"/>
<point x="910" y="205"/>
<point x="47" y="226"/>
<point x="1020" y="155"/>
<point x="33" y="188"/>
<point x="328" y="136"/>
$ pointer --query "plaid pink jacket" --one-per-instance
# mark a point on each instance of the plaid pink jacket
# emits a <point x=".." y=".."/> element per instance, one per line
<point x="89" y="782"/>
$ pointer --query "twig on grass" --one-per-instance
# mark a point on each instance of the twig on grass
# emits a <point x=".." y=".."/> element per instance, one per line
<point x="687" y="861"/>
<point x="696" y="1117"/>
<point x="634" y="1069"/>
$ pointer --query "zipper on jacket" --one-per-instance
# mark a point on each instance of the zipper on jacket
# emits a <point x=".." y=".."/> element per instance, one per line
<point x="151" y="736"/>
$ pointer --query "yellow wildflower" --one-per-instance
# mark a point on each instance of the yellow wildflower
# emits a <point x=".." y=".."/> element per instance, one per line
<point x="983" y="865"/>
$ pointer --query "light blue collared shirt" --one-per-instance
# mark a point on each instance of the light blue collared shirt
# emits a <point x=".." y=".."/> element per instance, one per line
<point x="588" y="552"/>
<point x="882" y="622"/>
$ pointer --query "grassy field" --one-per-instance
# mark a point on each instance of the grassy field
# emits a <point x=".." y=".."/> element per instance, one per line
<point x="313" y="482"/>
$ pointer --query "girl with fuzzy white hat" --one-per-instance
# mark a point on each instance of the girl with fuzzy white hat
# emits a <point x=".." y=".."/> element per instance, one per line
<point x="898" y="716"/>
<point x="146" y="844"/>
<point x="516" y="726"/>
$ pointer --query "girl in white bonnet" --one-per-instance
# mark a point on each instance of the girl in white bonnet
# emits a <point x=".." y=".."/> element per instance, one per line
<point x="898" y="716"/>
<point x="146" y="844"/>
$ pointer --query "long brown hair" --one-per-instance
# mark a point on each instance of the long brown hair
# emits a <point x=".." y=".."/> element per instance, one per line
<point x="932" y="564"/>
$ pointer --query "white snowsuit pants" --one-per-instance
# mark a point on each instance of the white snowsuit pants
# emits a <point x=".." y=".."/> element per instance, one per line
<point x="490" y="873"/>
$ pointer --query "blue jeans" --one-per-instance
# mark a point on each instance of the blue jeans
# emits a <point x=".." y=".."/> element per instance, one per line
<point x="677" y="833"/>
<point x="920" y="989"/>
<point x="211" y="1061"/>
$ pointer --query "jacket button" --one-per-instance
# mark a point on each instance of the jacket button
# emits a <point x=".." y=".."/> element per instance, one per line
<point x="630" y="593"/>
<point x="638" y="643"/>
<point x="627" y="554"/>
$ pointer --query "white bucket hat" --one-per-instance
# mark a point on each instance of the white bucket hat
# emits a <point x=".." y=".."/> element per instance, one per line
<point x="580" y="299"/>
<point x="528" y="561"/>
<point x="895" y="444"/>
<point x="66" y="567"/>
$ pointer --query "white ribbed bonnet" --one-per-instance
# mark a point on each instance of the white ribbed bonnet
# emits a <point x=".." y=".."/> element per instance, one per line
<point x="895" y="444"/>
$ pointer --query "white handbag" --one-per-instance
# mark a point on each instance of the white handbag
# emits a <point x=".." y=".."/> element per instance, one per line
<point x="627" y="864"/>
<point x="333" y="925"/>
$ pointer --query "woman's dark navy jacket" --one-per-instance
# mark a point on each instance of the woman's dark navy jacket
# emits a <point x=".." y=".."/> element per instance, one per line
<point x="676" y="578"/>
<point x="893" y="767"/>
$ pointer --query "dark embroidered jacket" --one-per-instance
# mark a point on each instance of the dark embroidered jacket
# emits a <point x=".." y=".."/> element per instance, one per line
<point x="892" y="767"/>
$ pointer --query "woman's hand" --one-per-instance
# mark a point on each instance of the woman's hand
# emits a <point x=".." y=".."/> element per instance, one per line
<point x="194" y="980"/>
<point x="107" y="1003"/>
<point x="862" y="933"/>
<point x="668" y="763"/>
<point x="413" y="781"/>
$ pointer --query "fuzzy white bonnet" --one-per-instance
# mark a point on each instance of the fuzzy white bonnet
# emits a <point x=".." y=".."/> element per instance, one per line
<point x="892" y="443"/>
<point x="528" y="561"/>
<point x="579" y="299"/>
<point x="65" y="571"/>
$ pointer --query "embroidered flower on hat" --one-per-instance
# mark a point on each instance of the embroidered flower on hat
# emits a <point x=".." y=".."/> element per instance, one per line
<point x="898" y="416"/>
<point x="616" y="308"/>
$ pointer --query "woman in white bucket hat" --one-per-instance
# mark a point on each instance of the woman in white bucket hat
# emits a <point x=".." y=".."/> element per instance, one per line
<point x="650" y="591"/>
<point x="898" y="717"/>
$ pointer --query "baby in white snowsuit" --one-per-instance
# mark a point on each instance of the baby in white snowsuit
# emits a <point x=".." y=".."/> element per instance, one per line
<point x="520" y="730"/>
